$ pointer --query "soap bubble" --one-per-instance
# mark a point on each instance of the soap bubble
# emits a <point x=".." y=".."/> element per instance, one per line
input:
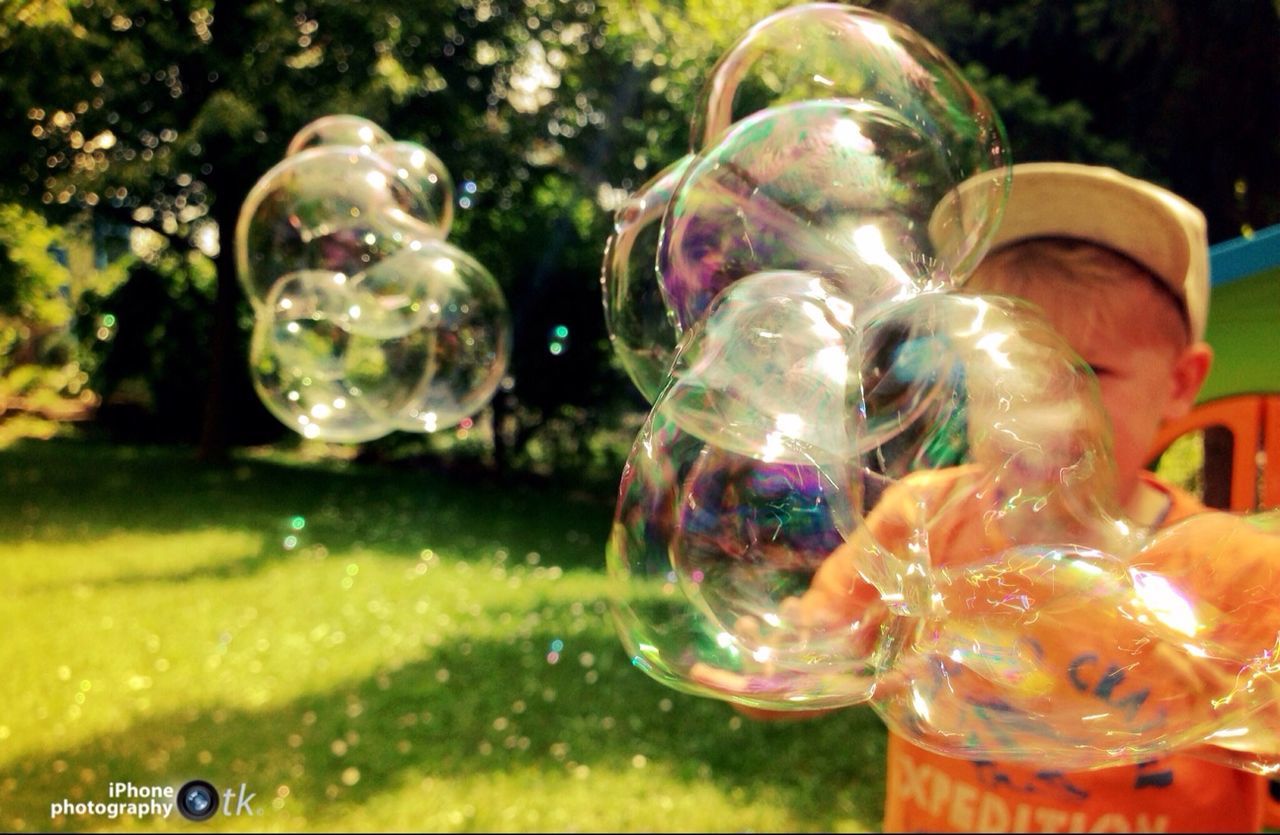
<point x="339" y="129"/>
<point x="820" y="51"/>
<point x="1100" y="660"/>
<point x="858" y="484"/>
<point x="738" y="488"/>
<point x="465" y="314"/>
<point x="984" y="376"/>
<point x="839" y="188"/>
<point x="706" y="541"/>
<point x="636" y="316"/>
<point x="433" y="185"/>
<point x="367" y="321"/>
<point x="301" y="361"/>
<point x="766" y="373"/>
<point x="331" y="208"/>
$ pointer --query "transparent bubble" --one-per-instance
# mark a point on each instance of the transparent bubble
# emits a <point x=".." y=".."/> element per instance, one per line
<point x="330" y="208"/>
<point x="1099" y="660"/>
<point x="311" y="307"/>
<point x="636" y="315"/>
<point x="751" y="534"/>
<point x="391" y="298"/>
<point x="947" y="374"/>
<point x="433" y="185"/>
<point x="708" y="549"/>
<point x="839" y="188"/>
<point x="467" y="326"/>
<point x="367" y="321"/>
<point x="301" y="358"/>
<point x="339" y="129"/>
<point x="857" y="484"/>
<point x="835" y="51"/>
<point x="767" y="373"/>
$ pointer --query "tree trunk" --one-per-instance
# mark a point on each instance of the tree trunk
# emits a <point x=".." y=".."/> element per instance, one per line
<point x="215" y="431"/>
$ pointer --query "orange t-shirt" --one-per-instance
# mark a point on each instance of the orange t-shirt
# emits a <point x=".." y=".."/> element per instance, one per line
<point x="928" y="791"/>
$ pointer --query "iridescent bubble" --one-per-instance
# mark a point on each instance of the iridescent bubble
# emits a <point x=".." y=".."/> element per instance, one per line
<point x="367" y="321"/>
<point x="1162" y="650"/>
<point x="980" y="421"/>
<point x="636" y="315"/>
<point x="857" y="484"/>
<point x="708" y="548"/>
<point x="738" y="488"/>
<point x="839" y="188"/>
<point x="468" y="326"/>
<point x="834" y="51"/>
<point x="339" y="129"/>
<point x="312" y="308"/>
<point x="331" y="208"/>
<point x="433" y="185"/>
<point x="766" y="373"/>
<point x="993" y="368"/>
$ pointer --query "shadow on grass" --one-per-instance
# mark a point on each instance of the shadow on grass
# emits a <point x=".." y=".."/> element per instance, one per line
<point x="473" y="708"/>
<point x="59" y="490"/>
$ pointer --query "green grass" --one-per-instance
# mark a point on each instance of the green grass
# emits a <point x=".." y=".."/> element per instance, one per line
<point x="364" y="650"/>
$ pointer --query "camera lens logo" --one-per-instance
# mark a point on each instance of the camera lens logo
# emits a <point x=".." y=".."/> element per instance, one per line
<point x="197" y="800"/>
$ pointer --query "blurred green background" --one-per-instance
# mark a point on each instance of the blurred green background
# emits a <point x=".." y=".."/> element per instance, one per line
<point x="411" y="633"/>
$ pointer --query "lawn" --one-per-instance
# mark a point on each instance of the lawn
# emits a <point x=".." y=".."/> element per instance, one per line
<point x="362" y="649"/>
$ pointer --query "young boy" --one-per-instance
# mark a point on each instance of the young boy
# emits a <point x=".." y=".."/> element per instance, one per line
<point x="1120" y="269"/>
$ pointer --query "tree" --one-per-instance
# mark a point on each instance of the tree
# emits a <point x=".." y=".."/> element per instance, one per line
<point x="43" y="371"/>
<point x="162" y="114"/>
<point x="1180" y="92"/>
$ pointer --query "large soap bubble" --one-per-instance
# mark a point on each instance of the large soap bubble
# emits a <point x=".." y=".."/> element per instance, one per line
<point x="821" y="51"/>
<point x="707" y="547"/>
<point x="302" y="360"/>
<point x="418" y="166"/>
<point x="367" y="319"/>
<point x="858" y="484"/>
<point x="766" y="373"/>
<point x="1167" y="649"/>
<point x="843" y="189"/>
<point x="333" y="208"/>
<point x="466" y="315"/>
<point x="636" y="316"/>
<point x="339" y="129"/>
<point x="826" y="141"/>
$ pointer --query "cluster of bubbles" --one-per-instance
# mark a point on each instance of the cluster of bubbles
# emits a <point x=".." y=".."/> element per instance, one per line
<point x="859" y="485"/>
<point x="367" y="320"/>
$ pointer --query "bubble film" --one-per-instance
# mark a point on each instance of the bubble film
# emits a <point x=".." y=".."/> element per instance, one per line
<point x="339" y="129"/>
<point x="465" y="314"/>
<point x="1097" y="659"/>
<point x="636" y="316"/>
<point x="331" y="208"/>
<point x="766" y="373"/>
<point x="302" y="361"/>
<point x="834" y="51"/>
<point x="367" y="320"/>
<point x="859" y="484"/>
<point x="707" y="549"/>
<point x="431" y="182"/>
<point x="843" y="189"/>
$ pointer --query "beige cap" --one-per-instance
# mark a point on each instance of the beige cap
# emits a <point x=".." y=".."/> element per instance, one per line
<point x="1151" y="225"/>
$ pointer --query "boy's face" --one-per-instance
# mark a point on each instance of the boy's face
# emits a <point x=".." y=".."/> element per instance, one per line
<point x="1144" y="382"/>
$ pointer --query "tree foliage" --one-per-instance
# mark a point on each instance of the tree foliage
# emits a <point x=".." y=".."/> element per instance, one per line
<point x="160" y="114"/>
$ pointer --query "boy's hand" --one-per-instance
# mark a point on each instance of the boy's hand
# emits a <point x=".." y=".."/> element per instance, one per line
<point x="823" y="688"/>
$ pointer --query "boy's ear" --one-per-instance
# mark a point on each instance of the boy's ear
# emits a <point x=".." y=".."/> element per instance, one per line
<point x="1189" y="373"/>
